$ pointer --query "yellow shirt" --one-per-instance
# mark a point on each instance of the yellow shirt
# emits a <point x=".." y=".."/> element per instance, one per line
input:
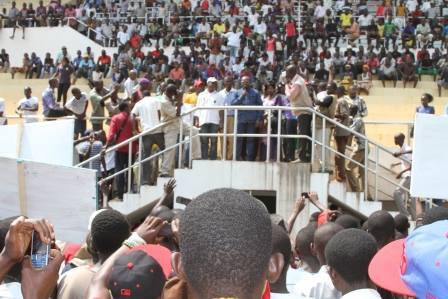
<point x="219" y="28"/>
<point x="345" y="19"/>
<point x="380" y="30"/>
<point x="401" y="11"/>
<point x="190" y="98"/>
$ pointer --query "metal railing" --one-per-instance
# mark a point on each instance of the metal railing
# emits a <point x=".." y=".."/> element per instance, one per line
<point x="367" y="167"/>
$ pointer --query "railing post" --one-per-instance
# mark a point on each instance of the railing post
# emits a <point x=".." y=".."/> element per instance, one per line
<point x="366" y="168"/>
<point x="190" y="151"/>
<point x="129" y="167"/>
<point x="268" y="141"/>
<point x="224" y="140"/>
<point x="324" y="123"/>
<point x="279" y="128"/>
<point x="376" y="171"/>
<point x="181" y="137"/>
<point x="235" y="130"/>
<point x="313" y="137"/>
<point x="140" y="168"/>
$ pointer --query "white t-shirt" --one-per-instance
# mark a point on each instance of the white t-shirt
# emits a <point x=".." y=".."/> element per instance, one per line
<point x="260" y="28"/>
<point x="204" y="28"/>
<point x="233" y="39"/>
<point x="408" y="157"/>
<point x="362" y="293"/>
<point x="12" y="290"/>
<point x="123" y="37"/>
<point x="207" y="99"/>
<point x="295" y="276"/>
<point x="318" y="286"/>
<point x="30" y="103"/>
<point x="147" y="109"/>
<point x="77" y="106"/>
<point x="285" y="296"/>
<point x="130" y="87"/>
<point x="364" y="21"/>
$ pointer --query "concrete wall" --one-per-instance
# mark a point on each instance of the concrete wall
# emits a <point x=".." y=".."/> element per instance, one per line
<point x="286" y="179"/>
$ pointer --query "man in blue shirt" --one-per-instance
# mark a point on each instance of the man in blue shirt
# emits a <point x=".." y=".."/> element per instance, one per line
<point x="248" y="121"/>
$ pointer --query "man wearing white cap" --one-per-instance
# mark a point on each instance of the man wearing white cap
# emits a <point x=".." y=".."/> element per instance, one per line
<point x="3" y="120"/>
<point x="209" y="120"/>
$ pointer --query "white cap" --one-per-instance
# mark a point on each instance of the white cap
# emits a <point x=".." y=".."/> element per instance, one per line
<point x="94" y="214"/>
<point x="2" y="105"/>
<point x="211" y="79"/>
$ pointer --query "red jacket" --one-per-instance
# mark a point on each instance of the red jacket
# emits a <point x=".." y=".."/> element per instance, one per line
<point x="116" y="124"/>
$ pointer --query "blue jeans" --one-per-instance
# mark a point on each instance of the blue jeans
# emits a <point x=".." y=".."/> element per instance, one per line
<point x="246" y="128"/>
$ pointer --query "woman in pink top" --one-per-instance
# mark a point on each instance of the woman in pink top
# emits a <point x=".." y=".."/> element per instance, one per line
<point x="270" y="47"/>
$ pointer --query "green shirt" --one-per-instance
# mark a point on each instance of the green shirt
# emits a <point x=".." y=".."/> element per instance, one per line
<point x="389" y="29"/>
<point x="97" y="109"/>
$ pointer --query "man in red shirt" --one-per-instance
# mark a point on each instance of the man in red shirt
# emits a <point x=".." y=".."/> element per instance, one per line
<point x="291" y="35"/>
<point x="135" y="40"/>
<point x="119" y="131"/>
<point x="104" y="63"/>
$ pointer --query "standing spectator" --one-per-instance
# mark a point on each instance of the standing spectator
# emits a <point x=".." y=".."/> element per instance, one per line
<point x="64" y="73"/>
<point x="131" y="84"/>
<point x="425" y="108"/>
<point x="16" y="19"/>
<point x="298" y="96"/>
<point x="209" y="120"/>
<point x="355" y="173"/>
<point x="170" y="111"/>
<point x="326" y="101"/>
<point x="342" y="116"/>
<point x="28" y="106"/>
<point x="248" y="121"/>
<point x="49" y="106"/>
<point x="233" y="41"/>
<point x="98" y="95"/>
<point x="4" y="61"/>
<point x="400" y="195"/>
<point x="123" y="35"/>
<point x="77" y="106"/>
<point x="365" y="82"/>
<point x="119" y="131"/>
<point x="291" y="35"/>
<point x="358" y="101"/>
<point x="229" y="94"/>
<point x="41" y="15"/>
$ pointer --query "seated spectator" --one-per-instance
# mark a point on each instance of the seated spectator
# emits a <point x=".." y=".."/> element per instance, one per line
<point x="423" y="32"/>
<point x="425" y="65"/>
<point x="28" y="106"/>
<point x="49" y="66"/>
<point x="407" y="71"/>
<point x="103" y="63"/>
<point x="388" y="71"/>
<point x="408" y="35"/>
<point x="364" y="82"/>
<point x="348" y="255"/>
<point x="85" y="68"/>
<point x="390" y="32"/>
<point x="419" y="276"/>
<point x="352" y="31"/>
<point x="331" y="31"/>
<point x="35" y="67"/>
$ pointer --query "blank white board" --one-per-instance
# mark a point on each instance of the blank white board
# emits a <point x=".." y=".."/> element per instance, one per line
<point x="64" y="195"/>
<point x="430" y="159"/>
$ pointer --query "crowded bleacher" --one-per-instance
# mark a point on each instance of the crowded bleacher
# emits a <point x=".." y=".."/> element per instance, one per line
<point x="308" y="66"/>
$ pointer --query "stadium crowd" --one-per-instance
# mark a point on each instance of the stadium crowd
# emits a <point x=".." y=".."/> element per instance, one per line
<point x="202" y="252"/>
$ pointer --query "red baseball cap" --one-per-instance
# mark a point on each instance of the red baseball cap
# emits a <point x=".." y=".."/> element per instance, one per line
<point x="161" y="254"/>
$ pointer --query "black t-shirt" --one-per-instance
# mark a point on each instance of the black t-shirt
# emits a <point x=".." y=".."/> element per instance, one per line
<point x="322" y="75"/>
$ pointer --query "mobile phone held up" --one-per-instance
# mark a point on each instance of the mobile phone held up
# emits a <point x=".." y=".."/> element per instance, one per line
<point x="40" y="252"/>
<point x="305" y="195"/>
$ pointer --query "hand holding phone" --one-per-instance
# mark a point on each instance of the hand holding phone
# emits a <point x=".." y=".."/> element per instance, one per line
<point x="40" y="252"/>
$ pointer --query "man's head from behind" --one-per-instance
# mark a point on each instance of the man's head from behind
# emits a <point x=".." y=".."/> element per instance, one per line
<point x="109" y="229"/>
<point x="304" y="241"/>
<point x="322" y="236"/>
<point x="381" y="226"/>
<point x="281" y="252"/>
<point x="225" y="245"/>
<point x="348" y="255"/>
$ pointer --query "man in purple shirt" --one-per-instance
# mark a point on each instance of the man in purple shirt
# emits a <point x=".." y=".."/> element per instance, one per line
<point x="50" y="108"/>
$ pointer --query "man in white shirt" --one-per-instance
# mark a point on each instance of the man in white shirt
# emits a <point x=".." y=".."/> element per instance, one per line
<point x="411" y="5"/>
<point x="405" y="153"/>
<point x="348" y="256"/>
<point x="209" y="120"/>
<point x="320" y="285"/>
<point x="28" y="106"/>
<point x="203" y="28"/>
<point x="260" y="28"/>
<point x="145" y="116"/>
<point x="252" y="17"/>
<point x="123" y="35"/>
<point x="423" y="32"/>
<point x="233" y="41"/>
<point x="319" y="11"/>
<point x="131" y="84"/>
<point x="365" y="20"/>
<point x="78" y="107"/>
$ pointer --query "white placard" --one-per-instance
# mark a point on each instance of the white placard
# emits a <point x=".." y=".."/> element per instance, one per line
<point x="430" y="159"/>
<point x="8" y="141"/>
